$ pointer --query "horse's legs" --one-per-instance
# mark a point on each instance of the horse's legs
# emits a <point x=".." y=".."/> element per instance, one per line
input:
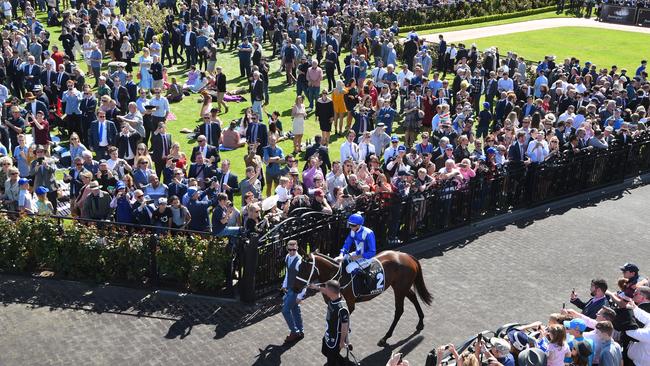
<point x="414" y="299"/>
<point x="399" y="309"/>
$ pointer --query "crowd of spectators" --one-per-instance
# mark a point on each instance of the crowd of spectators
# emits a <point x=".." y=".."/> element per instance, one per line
<point x="121" y="164"/>
<point x="611" y="328"/>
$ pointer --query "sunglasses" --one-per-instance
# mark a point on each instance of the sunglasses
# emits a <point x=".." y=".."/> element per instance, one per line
<point x="292" y="249"/>
<point x="139" y="196"/>
<point x="13" y="174"/>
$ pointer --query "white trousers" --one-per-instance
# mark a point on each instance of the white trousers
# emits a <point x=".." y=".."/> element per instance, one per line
<point x="359" y="263"/>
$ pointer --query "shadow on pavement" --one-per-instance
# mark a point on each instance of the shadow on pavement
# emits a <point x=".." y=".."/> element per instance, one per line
<point x="405" y="346"/>
<point x="184" y="311"/>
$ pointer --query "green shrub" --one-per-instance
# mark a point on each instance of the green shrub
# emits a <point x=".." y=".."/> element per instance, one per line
<point x="86" y="253"/>
<point x="474" y="20"/>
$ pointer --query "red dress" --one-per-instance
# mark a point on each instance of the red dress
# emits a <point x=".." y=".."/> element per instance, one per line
<point x="429" y="108"/>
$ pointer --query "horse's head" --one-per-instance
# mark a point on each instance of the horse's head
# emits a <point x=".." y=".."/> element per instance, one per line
<point x="308" y="272"/>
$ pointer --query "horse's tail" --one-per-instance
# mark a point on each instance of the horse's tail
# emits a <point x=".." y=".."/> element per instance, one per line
<point x="420" y="286"/>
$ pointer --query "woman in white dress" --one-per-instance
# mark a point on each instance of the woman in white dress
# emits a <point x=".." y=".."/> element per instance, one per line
<point x="88" y="48"/>
<point x="298" y="113"/>
<point x="145" y="63"/>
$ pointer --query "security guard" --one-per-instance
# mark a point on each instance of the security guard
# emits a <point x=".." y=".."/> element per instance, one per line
<point x="338" y="323"/>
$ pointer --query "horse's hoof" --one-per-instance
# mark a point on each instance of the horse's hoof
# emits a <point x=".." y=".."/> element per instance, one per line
<point x="382" y="343"/>
<point x="420" y="326"/>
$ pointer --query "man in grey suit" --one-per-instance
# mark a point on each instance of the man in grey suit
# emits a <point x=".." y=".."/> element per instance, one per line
<point x="43" y="169"/>
<point x="98" y="204"/>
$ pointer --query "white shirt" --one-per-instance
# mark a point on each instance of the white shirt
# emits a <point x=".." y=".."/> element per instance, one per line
<point x="290" y="258"/>
<point x="390" y="152"/>
<point x="187" y="38"/>
<point x="283" y="194"/>
<point x="401" y="76"/>
<point x="365" y="150"/>
<point x="535" y="153"/>
<point x="349" y="150"/>
<point x="377" y="75"/>
<point x="639" y="352"/>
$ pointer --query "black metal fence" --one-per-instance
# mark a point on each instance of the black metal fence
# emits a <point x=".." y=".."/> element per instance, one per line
<point x="449" y="206"/>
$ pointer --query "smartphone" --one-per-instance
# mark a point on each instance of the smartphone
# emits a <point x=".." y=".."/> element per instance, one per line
<point x="563" y="306"/>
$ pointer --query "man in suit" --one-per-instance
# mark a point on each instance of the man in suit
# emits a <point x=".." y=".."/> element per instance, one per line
<point x="43" y="172"/>
<point x="148" y="33"/>
<point x="491" y="89"/>
<point x="60" y="80"/>
<point x="101" y="134"/>
<point x="257" y="94"/>
<point x="73" y="177"/>
<point x="205" y="150"/>
<point x="120" y="95"/>
<point x="211" y="130"/>
<point x="161" y="145"/>
<point x="14" y="73"/>
<point x="623" y="136"/>
<point x="131" y="87"/>
<point x="529" y="108"/>
<point x="228" y="182"/>
<point x="48" y="77"/>
<point x="189" y="41"/>
<point x="127" y="143"/>
<point x="87" y="105"/>
<point x="201" y="171"/>
<point x="517" y="151"/>
<point x="257" y="133"/>
<point x="31" y="73"/>
<point x="34" y="106"/>
<point x="97" y="205"/>
<point x="321" y="151"/>
<point x="596" y="302"/>
<point x="134" y="33"/>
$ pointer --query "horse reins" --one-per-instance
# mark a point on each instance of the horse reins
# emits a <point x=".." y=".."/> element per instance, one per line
<point x="311" y="273"/>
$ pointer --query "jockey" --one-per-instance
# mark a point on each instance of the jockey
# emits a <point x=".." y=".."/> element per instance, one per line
<point x="363" y="239"/>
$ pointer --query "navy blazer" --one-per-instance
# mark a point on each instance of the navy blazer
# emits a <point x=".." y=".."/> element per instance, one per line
<point x="93" y="134"/>
<point x="40" y="106"/>
<point x="514" y="152"/>
<point x="212" y="151"/>
<point x="262" y="134"/>
<point x="196" y="169"/>
<point x="232" y="182"/>
<point x="157" y="151"/>
<point x="215" y="133"/>
<point x="257" y="91"/>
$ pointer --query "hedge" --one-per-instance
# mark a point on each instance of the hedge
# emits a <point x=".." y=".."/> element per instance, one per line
<point x="483" y="19"/>
<point x="461" y="10"/>
<point x="79" y="252"/>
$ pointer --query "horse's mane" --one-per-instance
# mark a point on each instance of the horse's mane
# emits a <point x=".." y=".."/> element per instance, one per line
<point x="326" y="257"/>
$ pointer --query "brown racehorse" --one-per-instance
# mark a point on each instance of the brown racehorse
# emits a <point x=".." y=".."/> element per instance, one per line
<point x="401" y="272"/>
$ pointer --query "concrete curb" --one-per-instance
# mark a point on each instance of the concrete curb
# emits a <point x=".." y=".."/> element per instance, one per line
<point x="448" y="238"/>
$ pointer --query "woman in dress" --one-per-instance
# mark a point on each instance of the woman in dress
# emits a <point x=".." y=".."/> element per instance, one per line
<point x="428" y="106"/>
<point x="338" y="100"/>
<point x="351" y="101"/>
<point x="145" y="63"/>
<point x="88" y="48"/>
<point x="298" y="113"/>
<point x="325" y="115"/>
<point x="126" y="51"/>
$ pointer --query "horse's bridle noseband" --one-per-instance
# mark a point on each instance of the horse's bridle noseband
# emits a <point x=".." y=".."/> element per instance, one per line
<point x="311" y="273"/>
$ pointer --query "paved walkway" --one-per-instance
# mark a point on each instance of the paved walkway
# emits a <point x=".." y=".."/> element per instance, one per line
<point x="520" y="273"/>
<point x="531" y="25"/>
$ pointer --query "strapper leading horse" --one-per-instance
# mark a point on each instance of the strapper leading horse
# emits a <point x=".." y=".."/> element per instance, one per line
<point x="402" y="272"/>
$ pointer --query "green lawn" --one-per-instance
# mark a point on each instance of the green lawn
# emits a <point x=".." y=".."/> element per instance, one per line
<point x="600" y="46"/>
<point x="550" y="14"/>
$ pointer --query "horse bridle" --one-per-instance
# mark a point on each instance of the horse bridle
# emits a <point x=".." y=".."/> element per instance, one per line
<point x="311" y="273"/>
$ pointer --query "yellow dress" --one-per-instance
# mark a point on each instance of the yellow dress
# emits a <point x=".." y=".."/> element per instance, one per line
<point x="338" y="101"/>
